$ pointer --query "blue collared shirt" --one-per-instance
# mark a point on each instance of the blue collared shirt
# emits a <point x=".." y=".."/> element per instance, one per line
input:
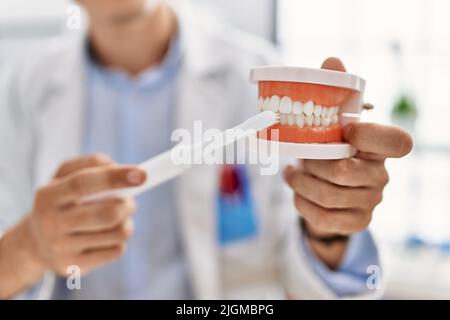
<point x="131" y="120"/>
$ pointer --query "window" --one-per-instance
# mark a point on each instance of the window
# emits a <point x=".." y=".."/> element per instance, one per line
<point x="400" y="46"/>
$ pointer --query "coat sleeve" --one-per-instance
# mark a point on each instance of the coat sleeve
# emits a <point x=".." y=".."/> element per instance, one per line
<point x="296" y="265"/>
<point x="17" y="147"/>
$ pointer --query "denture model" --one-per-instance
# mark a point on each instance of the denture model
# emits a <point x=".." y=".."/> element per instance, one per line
<point x="314" y="105"/>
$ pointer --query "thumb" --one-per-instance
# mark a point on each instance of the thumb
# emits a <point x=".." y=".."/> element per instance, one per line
<point x="333" y="64"/>
<point x="385" y="141"/>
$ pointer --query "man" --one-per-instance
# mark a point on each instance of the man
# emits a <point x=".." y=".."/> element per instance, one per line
<point x="142" y="72"/>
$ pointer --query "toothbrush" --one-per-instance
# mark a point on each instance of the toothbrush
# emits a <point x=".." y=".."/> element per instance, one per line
<point x="163" y="168"/>
<point x="366" y="107"/>
<point x="351" y="115"/>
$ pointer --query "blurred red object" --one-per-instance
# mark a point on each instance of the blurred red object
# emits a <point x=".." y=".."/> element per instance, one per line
<point x="229" y="180"/>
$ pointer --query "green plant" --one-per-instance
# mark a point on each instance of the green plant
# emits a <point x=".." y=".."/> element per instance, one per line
<point x="404" y="107"/>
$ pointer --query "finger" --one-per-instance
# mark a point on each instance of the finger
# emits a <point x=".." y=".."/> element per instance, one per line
<point x="92" y="259"/>
<point x="370" y="156"/>
<point x="97" y="216"/>
<point x="350" y="172"/>
<point x="347" y="221"/>
<point x="386" y="141"/>
<point x="329" y="195"/>
<point x="333" y="64"/>
<point x="93" y="180"/>
<point x="83" y="162"/>
<point x="99" y="240"/>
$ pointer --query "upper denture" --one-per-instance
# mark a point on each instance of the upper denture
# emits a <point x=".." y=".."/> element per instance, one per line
<point x="297" y="113"/>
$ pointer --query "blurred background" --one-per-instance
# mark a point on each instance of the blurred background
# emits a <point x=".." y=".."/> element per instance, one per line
<point x="402" y="48"/>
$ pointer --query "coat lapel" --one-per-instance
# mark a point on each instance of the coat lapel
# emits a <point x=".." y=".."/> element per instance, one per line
<point x="196" y="192"/>
<point x="198" y="94"/>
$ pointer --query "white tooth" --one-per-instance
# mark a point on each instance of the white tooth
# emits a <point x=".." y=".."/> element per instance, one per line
<point x="308" y="108"/>
<point x="283" y="118"/>
<point x="325" y="121"/>
<point x="290" y="119"/>
<point x="309" y="120"/>
<point x="317" y="110"/>
<point x="266" y="105"/>
<point x="300" y="120"/>
<point x="261" y="104"/>
<point x="330" y="112"/>
<point x="324" y="112"/>
<point x="274" y="103"/>
<point x="286" y="105"/>
<point x="334" y="119"/>
<point x="317" y="121"/>
<point x="335" y="111"/>
<point x="297" y="108"/>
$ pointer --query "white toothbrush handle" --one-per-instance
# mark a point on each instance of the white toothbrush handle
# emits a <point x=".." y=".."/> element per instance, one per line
<point x="159" y="170"/>
<point x="259" y="122"/>
<point x="167" y="166"/>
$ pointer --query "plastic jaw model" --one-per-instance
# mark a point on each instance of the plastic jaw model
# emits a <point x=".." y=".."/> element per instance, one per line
<point x="310" y="102"/>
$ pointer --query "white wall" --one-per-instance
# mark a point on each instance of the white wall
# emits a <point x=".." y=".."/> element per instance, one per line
<point x="18" y="9"/>
<point x="22" y="18"/>
<point x="256" y="16"/>
<point x="25" y="22"/>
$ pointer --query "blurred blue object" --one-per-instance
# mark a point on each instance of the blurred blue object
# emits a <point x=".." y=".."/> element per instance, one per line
<point x="414" y="242"/>
<point x="417" y="242"/>
<point x="235" y="206"/>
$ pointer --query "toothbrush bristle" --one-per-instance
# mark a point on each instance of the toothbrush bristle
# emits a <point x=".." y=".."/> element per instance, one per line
<point x="277" y="117"/>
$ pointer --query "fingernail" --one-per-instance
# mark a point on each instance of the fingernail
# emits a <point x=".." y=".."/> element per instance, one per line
<point x="136" y="177"/>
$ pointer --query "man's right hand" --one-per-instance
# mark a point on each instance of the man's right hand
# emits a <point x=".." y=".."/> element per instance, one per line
<point x="63" y="231"/>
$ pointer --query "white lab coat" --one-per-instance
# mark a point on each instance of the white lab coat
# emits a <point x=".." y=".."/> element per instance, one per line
<point x="42" y="105"/>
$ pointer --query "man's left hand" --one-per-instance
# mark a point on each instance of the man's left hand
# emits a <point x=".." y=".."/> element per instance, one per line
<point x="337" y="197"/>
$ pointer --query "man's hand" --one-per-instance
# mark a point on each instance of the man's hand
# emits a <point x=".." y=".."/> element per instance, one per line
<point x="337" y="197"/>
<point x="61" y="231"/>
<point x="66" y="232"/>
